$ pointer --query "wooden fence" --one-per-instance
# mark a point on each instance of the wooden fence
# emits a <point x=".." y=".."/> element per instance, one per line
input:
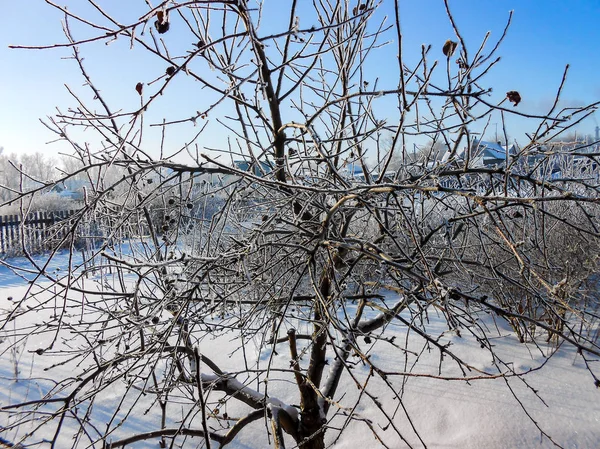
<point x="40" y="231"/>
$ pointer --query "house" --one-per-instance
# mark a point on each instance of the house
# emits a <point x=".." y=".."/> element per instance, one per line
<point x="72" y="189"/>
<point x="487" y="154"/>
<point x="353" y="171"/>
<point x="257" y="169"/>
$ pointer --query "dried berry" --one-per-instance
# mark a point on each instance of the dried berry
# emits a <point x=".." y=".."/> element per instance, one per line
<point x="514" y="97"/>
<point x="162" y="28"/>
<point x="139" y="87"/>
<point x="170" y="71"/>
<point x="162" y="22"/>
<point x="449" y="48"/>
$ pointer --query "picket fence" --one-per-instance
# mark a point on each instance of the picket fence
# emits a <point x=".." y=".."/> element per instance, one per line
<point x="40" y="231"/>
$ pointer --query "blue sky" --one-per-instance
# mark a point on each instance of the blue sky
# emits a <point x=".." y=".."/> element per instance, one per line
<point x="544" y="37"/>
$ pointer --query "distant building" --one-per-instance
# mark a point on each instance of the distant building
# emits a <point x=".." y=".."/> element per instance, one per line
<point x="353" y="171"/>
<point x="72" y="189"/>
<point x="487" y="154"/>
<point x="258" y="169"/>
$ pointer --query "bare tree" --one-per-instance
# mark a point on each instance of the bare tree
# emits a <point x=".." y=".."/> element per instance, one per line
<point x="282" y="247"/>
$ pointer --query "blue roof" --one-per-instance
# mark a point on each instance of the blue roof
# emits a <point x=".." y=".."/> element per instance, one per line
<point x="493" y="150"/>
<point x="245" y="166"/>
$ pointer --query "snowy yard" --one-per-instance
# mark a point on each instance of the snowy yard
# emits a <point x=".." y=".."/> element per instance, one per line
<point x="446" y="411"/>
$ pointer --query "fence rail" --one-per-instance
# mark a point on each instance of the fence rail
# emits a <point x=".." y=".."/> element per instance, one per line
<point x="40" y="231"/>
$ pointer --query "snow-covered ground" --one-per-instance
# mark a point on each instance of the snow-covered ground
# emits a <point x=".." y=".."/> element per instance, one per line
<point x="446" y="413"/>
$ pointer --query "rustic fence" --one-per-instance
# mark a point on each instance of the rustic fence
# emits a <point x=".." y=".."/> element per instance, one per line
<point x="38" y="232"/>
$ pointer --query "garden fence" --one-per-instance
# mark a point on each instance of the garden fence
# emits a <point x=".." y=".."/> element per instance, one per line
<point x="38" y="232"/>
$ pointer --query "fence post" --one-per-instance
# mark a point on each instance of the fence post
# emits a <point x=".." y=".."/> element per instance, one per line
<point x="2" y="242"/>
<point x="41" y="227"/>
<point x="25" y="232"/>
<point x="12" y="220"/>
<point x="36" y="231"/>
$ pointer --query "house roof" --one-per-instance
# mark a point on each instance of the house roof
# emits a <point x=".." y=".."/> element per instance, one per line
<point x="493" y="150"/>
<point x="487" y="152"/>
<point x="265" y="166"/>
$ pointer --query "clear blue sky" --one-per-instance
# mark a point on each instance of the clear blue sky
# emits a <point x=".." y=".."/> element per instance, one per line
<point x="544" y="37"/>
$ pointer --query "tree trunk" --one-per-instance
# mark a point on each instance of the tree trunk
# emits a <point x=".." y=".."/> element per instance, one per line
<point x="312" y="421"/>
<point x="312" y="430"/>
